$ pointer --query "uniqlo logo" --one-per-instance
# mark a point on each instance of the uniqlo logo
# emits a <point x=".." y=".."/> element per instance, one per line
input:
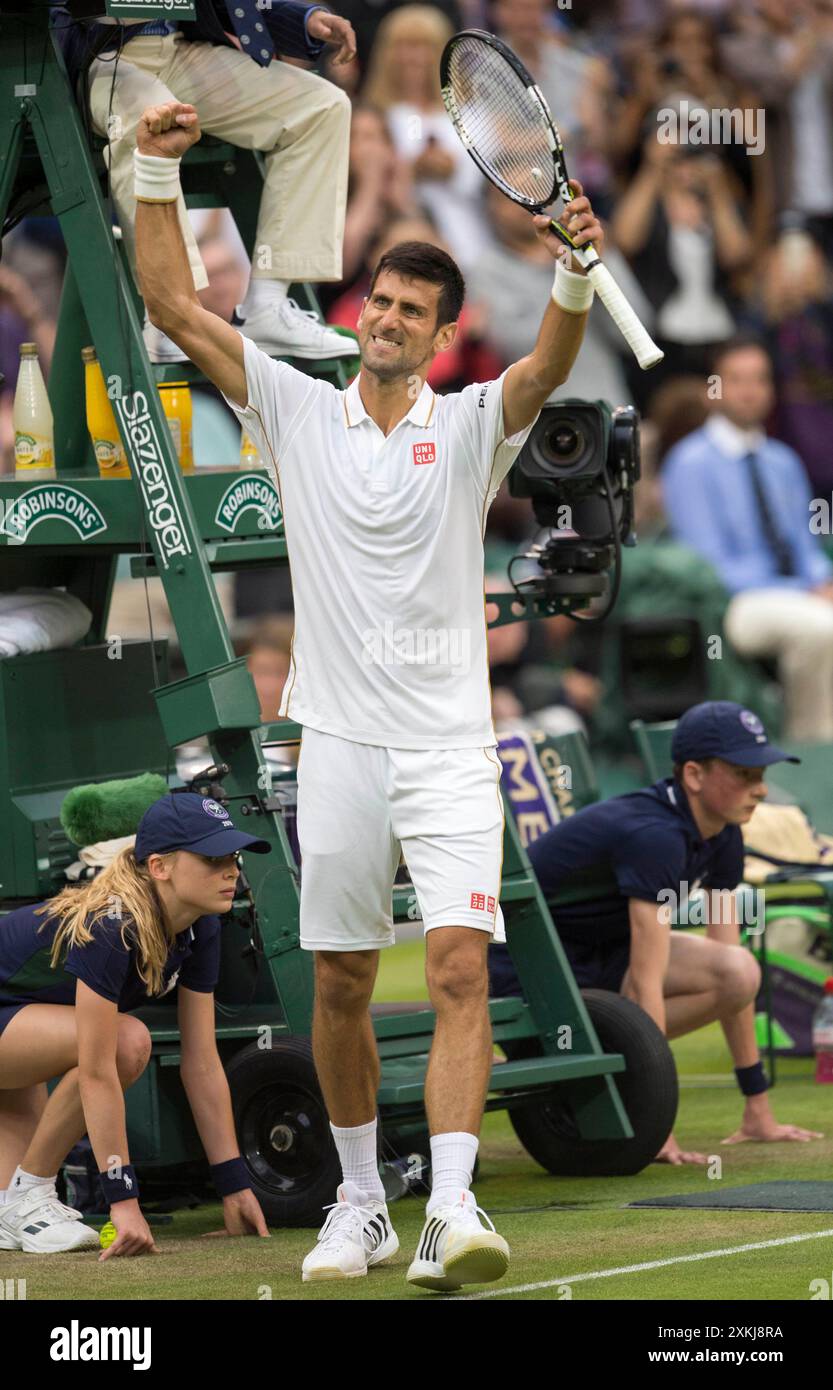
<point x="478" y="902"/>
<point x="425" y="453"/>
<point x="491" y="905"/>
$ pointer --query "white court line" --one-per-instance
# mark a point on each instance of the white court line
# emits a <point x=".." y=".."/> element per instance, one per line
<point x="648" y="1264"/>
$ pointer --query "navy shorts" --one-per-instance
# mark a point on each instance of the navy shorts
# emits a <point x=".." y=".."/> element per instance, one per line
<point x="599" y="965"/>
<point x="8" y="1011"/>
<point x="595" y="965"/>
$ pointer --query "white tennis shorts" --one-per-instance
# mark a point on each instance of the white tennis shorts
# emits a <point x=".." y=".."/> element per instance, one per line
<point x="360" y="806"/>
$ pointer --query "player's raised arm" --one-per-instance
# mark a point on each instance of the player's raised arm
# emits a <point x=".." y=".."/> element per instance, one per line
<point x="165" y="279"/>
<point x="529" y="383"/>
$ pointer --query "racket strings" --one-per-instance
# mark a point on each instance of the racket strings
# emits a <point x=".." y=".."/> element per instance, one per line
<point x="502" y="122"/>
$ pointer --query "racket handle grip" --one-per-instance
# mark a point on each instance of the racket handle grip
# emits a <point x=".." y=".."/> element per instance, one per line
<point x="644" y="348"/>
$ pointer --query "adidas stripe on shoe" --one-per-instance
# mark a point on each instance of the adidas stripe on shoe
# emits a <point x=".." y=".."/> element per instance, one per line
<point x="455" y="1248"/>
<point x="356" y="1235"/>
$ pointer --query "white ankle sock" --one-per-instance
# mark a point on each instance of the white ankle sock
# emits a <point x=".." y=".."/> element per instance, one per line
<point x="357" y="1151"/>
<point x="452" y="1165"/>
<point x="22" y="1181"/>
<point x="261" y="294"/>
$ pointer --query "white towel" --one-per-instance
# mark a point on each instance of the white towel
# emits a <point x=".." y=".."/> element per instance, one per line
<point x="97" y="856"/>
<point x="37" y="620"/>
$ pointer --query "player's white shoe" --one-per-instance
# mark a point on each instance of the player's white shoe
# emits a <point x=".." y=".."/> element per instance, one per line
<point x="356" y="1234"/>
<point x="455" y="1248"/>
<point x="37" y="1223"/>
<point x="284" y="330"/>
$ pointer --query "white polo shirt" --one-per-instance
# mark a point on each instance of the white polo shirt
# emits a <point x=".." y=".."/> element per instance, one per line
<point x="385" y="544"/>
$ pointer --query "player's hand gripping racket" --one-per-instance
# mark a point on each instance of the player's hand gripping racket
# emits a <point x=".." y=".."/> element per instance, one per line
<point x="505" y="124"/>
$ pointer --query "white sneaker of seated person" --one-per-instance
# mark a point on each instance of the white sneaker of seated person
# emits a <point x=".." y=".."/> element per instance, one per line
<point x="455" y="1248"/>
<point x="37" y="1223"/>
<point x="282" y="329"/>
<point x="356" y="1235"/>
<point x="161" y="348"/>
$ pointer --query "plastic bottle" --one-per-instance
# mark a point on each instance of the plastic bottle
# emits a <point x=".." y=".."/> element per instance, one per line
<point x="34" y="438"/>
<point x="176" y="403"/>
<point x="250" y="455"/>
<point x="823" y="1035"/>
<point x="101" y="422"/>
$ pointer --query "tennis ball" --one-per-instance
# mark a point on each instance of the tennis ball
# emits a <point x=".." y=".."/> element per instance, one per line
<point x="107" y="1235"/>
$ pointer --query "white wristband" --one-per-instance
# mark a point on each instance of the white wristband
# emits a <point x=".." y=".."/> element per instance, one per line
<point x="570" y="291"/>
<point x="156" y="178"/>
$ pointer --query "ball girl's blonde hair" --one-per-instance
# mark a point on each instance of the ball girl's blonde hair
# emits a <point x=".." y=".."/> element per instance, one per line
<point x="125" y="892"/>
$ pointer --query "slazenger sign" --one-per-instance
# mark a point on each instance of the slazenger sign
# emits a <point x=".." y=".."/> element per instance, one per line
<point x="160" y="504"/>
<point x="251" y="490"/>
<point x="51" y="502"/>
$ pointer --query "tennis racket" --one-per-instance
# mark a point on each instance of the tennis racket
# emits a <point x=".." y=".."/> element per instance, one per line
<point x="505" y="124"/>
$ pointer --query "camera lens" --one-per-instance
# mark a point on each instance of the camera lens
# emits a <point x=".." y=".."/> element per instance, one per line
<point x="564" y="443"/>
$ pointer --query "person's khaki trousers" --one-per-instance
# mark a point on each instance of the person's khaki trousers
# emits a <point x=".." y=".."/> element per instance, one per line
<point x="795" y="626"/>
<point x="299" y="121"/>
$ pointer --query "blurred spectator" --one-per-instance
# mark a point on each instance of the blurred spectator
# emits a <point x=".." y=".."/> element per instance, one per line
<point x="268" y="648"/>
<point x="528" y="689"/>
<point x="741" y="500"/>
<point x="576" y="86"/>
<point x="366" y="16"/>
<point x="677" y="409"/>
<point x="680" y="227"/>
<point x="403" y="81"/>
<point x="797" y="295"/>
<point x="22" y="320"/>
<point x="681" y="59"/>
<point x="469" y="358"/>
<point x="787" y="52"/>
<point x="512" y="283"/>
<point x="379" y="189"/>
<point x="35" y="250"/>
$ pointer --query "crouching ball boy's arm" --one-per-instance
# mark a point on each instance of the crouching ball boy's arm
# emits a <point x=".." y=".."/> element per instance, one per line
<point x="163" y="136"/>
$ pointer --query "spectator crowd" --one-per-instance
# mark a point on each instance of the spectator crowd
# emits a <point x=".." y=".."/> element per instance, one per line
<point x="721" y="236"/>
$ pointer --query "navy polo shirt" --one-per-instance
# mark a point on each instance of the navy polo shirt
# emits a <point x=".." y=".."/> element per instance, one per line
<point x="631" y="846"/>
<point x="106" y="964"/>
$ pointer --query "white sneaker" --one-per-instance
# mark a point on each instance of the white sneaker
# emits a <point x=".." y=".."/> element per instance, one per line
<point x="37" y="1223"/>
<point x="456" y="1249"/>
<point x="284" y="330"/>
<point x="161" y="348"/>
<point x="356" y="1234"/>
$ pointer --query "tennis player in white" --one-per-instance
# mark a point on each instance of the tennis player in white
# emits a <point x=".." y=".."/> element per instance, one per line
<point x="385" y="489"/>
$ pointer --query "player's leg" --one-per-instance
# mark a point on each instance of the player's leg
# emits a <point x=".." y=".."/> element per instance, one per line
<point x="40" y="1042"/>
<point x="451" y="825"/>
<point x="705" y="981"/>
<point x="461" y="1054"/>
<point x="346" y="1056"/>
<point x="301" y="125"/>
<point x="349" y="858"/>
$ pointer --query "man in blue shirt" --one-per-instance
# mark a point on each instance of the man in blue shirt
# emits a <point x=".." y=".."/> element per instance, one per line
<point x="297" y="120"/>
<point x="647" y="852"/>
<point x="743" y="502"/>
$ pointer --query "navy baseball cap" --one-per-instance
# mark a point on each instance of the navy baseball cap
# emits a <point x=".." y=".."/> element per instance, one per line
<point x="722" y="729"/>
<point x="186" y="820"/>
